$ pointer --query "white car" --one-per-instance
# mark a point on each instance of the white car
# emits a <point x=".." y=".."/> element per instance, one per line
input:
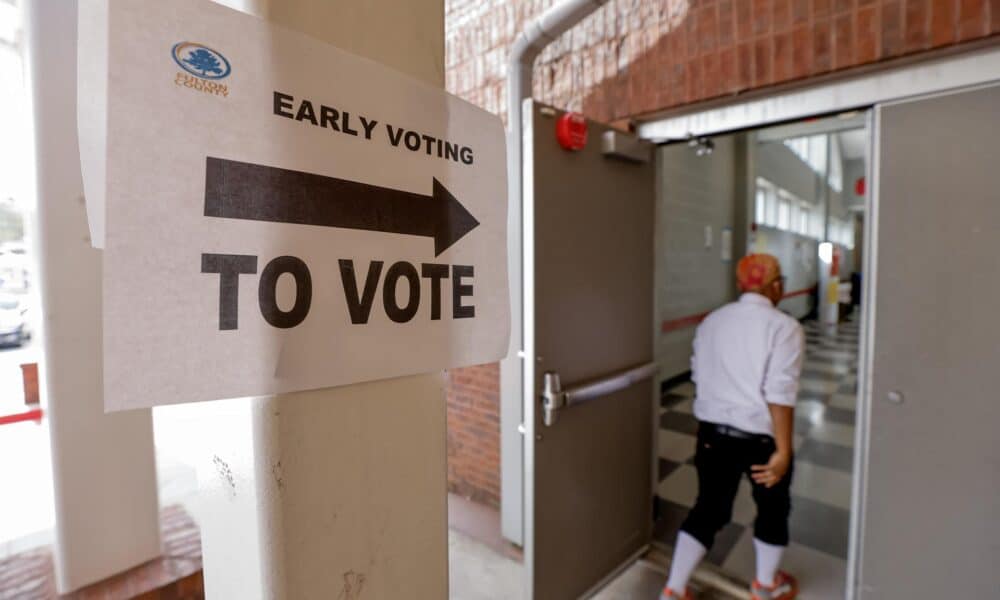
<point x="13" y="268"/>
<point x="14" y="329"/>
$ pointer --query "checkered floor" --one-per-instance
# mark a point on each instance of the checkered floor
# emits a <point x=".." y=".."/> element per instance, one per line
<point x="821" y="487"/>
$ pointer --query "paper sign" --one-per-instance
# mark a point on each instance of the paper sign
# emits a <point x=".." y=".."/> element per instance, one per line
<point x="726" y="245"/>
<point x="281" y="215"/>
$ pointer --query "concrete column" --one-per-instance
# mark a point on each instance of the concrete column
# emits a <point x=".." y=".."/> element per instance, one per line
<point x="337" y="493"/>
<point x="107" y="518"/>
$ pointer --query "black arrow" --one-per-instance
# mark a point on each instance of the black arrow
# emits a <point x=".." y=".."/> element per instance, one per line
<point x="238" y="190"/>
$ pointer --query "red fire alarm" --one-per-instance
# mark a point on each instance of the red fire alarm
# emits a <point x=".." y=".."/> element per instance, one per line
<point x="571" y="131"/>
<point x="859" y="186"/>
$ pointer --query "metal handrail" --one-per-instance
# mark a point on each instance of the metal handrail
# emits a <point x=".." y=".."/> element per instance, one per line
<point x="554" y="398"/>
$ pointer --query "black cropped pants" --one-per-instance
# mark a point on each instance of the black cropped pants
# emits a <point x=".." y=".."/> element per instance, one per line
<point x="721" y="460"/>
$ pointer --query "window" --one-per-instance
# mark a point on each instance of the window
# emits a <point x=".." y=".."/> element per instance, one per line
<point x="777" y="207"/>
<point x="813" y="149"/>
<point x="784" y="214"/>
<point x="842" y="232"/>
<point x="766" y="210"/>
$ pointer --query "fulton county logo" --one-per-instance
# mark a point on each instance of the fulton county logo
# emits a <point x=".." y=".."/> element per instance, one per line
<point x="201" y="61"/>
<point x="204" y="68"/>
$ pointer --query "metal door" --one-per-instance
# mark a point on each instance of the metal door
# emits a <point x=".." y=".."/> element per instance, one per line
<point x="588" y="320"/>
<point x="930" y="495"/>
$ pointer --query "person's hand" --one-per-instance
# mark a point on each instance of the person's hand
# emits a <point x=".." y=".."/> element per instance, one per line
<point x="770" y="474"/>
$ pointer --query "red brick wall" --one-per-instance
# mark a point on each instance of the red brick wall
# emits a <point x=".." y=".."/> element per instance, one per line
<point x="474" y="433"/>
<point x="639" y="56"/>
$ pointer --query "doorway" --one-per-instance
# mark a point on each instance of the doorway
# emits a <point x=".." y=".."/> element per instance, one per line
<point x="795" y="191"/>
<point x="894" y="371"/>
<point x="686" y="213"/>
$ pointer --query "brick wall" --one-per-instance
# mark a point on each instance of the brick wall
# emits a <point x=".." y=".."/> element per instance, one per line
<point x="474" y="433"/>
<point x="638" y="56"/>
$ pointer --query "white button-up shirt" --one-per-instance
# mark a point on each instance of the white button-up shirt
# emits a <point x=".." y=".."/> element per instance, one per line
<point x="747" y="354"/>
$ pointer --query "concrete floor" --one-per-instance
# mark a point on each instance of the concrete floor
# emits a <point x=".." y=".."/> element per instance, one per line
<point x="476" y="572"/>
<point x="479" y="572"/>
<point x="641" y="581"/>
<point x="482" y="565"/>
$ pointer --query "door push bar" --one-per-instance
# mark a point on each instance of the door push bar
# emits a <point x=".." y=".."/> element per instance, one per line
<point x="554" y="398"/>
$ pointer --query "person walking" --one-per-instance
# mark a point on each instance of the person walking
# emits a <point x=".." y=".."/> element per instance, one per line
<point x="746" y="365"/>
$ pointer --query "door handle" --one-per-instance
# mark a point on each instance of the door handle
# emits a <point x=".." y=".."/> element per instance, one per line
<point x="554" y="398"/>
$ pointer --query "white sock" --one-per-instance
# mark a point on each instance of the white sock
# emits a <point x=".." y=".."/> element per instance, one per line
<point x="688" y="552"/>
<point x="768" y="558"/>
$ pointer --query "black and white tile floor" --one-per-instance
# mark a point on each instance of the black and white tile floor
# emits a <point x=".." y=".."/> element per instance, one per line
<point x="821" y="487"/>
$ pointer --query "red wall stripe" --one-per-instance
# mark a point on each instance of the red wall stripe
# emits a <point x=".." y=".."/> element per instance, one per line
<point x="693" y="320"/>
<point x="682" y="323"/>
<point x="804" y="292"/>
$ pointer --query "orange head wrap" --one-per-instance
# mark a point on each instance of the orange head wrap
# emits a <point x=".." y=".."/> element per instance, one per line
<point x="755" y="271"/>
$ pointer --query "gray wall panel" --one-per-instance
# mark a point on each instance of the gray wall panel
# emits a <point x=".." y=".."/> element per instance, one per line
<point x="933" y="484"/>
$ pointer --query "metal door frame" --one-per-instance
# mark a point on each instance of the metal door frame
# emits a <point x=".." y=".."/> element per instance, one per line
<point x="527" y="353"/>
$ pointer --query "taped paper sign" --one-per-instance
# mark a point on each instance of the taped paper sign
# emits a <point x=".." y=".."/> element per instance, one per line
<point x="280" y="215"/>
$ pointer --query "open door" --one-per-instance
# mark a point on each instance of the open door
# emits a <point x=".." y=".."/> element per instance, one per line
<point x="929" y="500"/>
<point x="589" y="398"/>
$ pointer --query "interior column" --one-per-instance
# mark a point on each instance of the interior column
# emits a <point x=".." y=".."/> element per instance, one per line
<point x="338" y="492"/>
<point x="107" y="518"/>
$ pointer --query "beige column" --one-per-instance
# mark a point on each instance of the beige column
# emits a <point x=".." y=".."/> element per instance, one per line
<point x="337" y="493"/>
<point x="103" y="465"/>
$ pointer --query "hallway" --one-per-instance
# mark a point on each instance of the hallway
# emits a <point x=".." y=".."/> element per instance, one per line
<point x="821" y="487"/>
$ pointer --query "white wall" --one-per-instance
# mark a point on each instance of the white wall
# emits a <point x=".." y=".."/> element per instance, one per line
<point x="798" y="253"/>
<point x="692" y="193"/>
<point x="853" y="169"/>
<point x="799" y="263"/>
<point x="779" y="165"/>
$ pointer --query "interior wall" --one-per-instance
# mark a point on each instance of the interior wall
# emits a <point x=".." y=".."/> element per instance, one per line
<point x="847" y="262"/>
<point x="717" y="191"/>
<point x="853" y="170"/>
<point x="798" y="255"/>
<point x="779" y="165"/>
<point x="692" y="193"/>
